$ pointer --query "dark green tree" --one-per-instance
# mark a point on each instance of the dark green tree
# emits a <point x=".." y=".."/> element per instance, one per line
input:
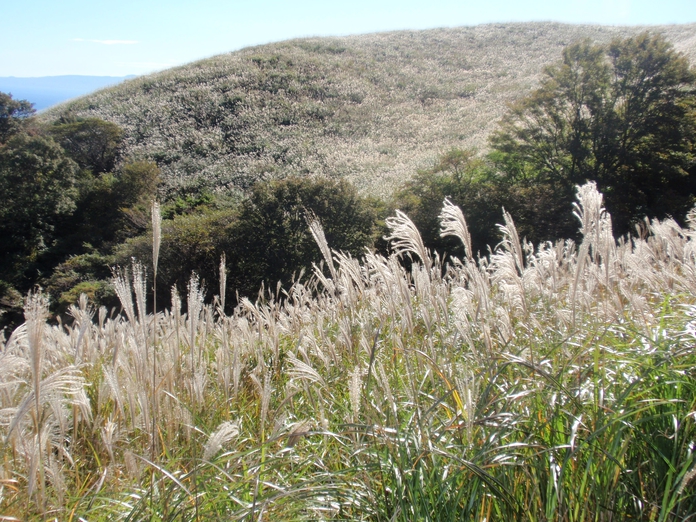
<point x="37" y="189"/>
<point x="137" y="182"/>
<point x="109" y="209"/>
<point x="266" y="238"/>
<point x="271" y="241"/>
<point x="93" y="143"/>
<point x="466" y="180"/>
<point x="190" y="243"/>
<point x="62" y="207"/>
<point x="620" y="114"/>
<point x="13" y="114"/>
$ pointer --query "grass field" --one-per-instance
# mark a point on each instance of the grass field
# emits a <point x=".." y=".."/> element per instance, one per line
<point x="553" y="382"/>
<point x="372" y="108"/>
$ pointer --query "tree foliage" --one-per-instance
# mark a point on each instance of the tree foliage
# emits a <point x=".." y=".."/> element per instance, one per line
<point x="265" y="239"/>
<point x="13" y="113"/>
<point x="189" y="243"/>
<point x="66" y="198"/>
<point x="271" y="241"/>
<point x="109" y="208"/>
<point x="464" y="179"/>
<point x="37" y="189"/>
<point x="620" y="114"/>
<point x="93" y="143"/>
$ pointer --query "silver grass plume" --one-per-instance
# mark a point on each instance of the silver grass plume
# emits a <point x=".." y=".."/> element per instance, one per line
<point x="318" y="234"/>
<point x="508" y="265"/>
<point x="156" y="239"/>
<point x="452" y="223"/>
<point x="45" y="397"/>
<point x="386" y="388"/>
<point x="223" y="282"/>
<point x="140" y="289"/>
<point x="121" y="282"/>
<point x="355" y="391"/>
<point x="156" y="235"/>
<point x="588" y="209"/>
<point x="195" y="306"/>
<point x="297" y="431"/>
<point x="224" y="433"/>
<point x="35" y="314"/>
<point x="405" y="238"/>
<point x="511" y="241"/>
<point x="265" y="390"/>
<point x="303" y="371"/>
<point x="592" y="216"/>
<point x="688" y="477"/>
<point x="63" y="382"/>
<point x="83" y="319"/>
<point x="691" y="232"/>
<point x="109" y="433"/>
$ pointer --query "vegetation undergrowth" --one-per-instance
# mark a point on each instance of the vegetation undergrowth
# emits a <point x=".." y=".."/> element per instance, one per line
<point x="547" y="383"/>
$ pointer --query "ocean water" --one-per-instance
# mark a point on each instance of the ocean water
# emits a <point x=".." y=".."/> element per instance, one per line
<point x="46" y="91"/>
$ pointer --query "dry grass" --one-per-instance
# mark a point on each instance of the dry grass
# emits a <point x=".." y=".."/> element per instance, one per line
<point x="371" y="108"/>
<point x="553" y="383"/>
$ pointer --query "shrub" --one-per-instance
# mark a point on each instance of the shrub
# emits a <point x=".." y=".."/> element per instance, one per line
<point x="466" y="181"/>
<point x="271" y="242"/>
<point x="92" y="143"/>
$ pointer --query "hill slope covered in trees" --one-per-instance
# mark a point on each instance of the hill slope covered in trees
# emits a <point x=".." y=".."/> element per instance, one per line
<point x="370" y="108"/>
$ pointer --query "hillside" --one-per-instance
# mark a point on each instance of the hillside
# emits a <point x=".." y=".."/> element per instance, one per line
<point x="370" y="108"/>
<point x="537" y="382"/>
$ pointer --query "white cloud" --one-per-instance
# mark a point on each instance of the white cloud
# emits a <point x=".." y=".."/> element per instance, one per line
<point x="107" y="42"/>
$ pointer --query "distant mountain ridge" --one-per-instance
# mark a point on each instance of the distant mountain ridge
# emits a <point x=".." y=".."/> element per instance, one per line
<point x="371" y="108"/>
<point x="46" y="91"/>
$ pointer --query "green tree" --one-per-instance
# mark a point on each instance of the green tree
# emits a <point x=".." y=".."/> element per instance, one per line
<point x="89" y="274"/>
<point x="109" y="209"/>
<point x="623" y="115"/>
<point x="466" y="180"/>
<point x="13" y="113"/>
<point x="93" y="143"/>
<point x="37" y="189"/>
<point x="137" y="182"/>
<point x="190" y="243"/>
<point x="271" y="241"/>
<point x="64" y="210"/>
<point x="266" y="238"/>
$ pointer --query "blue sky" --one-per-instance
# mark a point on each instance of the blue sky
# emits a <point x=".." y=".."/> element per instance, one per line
<point x="117" y="38"/>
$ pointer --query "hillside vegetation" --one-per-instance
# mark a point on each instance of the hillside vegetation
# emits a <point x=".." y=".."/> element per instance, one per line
<point x="371" y="109"/>
<point x="324" y="361"/>
<point x="227" y="147"/>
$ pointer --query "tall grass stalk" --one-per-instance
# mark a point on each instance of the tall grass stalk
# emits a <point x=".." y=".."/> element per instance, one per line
<point x="156" y="240"/>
